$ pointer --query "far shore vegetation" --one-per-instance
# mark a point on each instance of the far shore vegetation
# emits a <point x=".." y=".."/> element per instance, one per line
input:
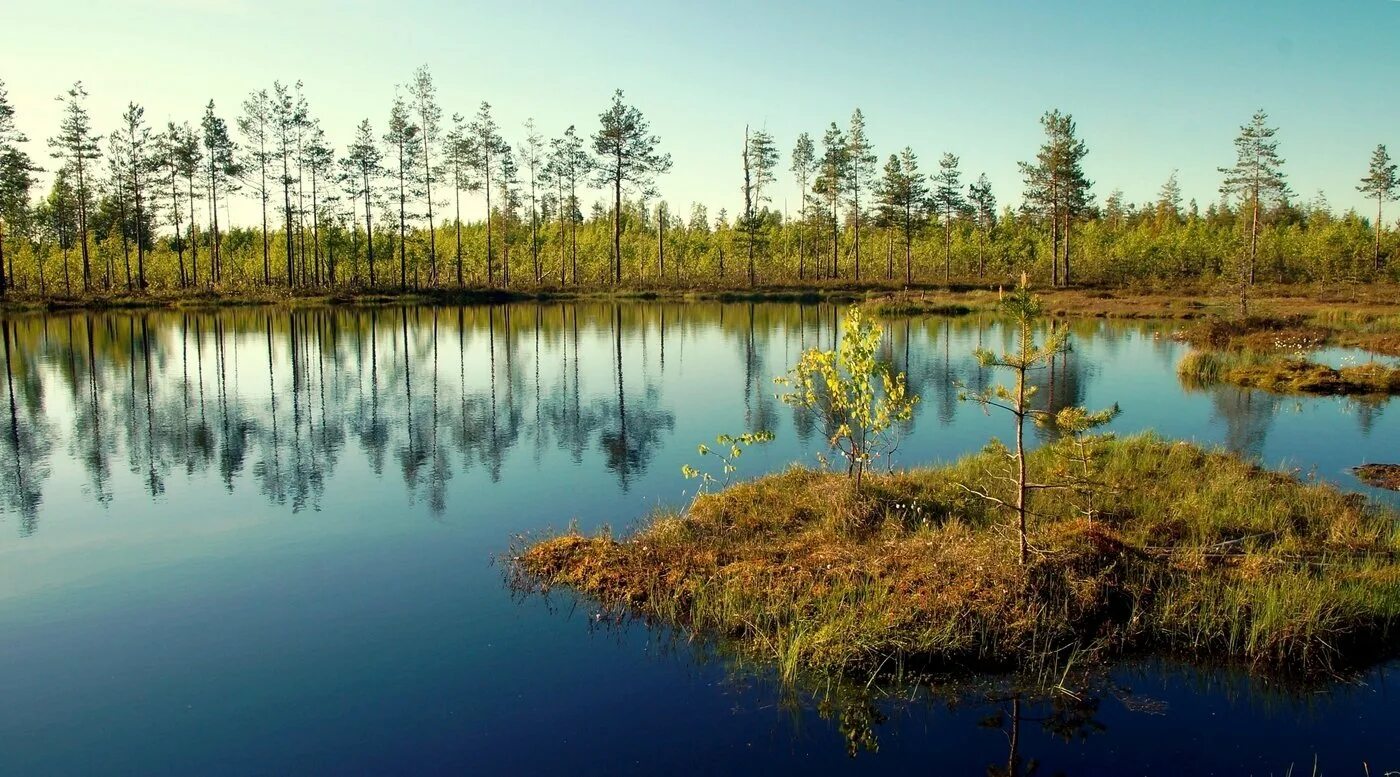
<point x="252" y="200"/>
<point x="1086" y="549"/>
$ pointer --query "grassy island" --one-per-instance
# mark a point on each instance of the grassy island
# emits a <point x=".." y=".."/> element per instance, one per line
<point x="1271" y="353"/>
<point x="1188" y="552"/>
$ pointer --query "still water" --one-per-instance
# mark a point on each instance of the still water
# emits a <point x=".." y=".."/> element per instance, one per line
<point x="262" y="541"/>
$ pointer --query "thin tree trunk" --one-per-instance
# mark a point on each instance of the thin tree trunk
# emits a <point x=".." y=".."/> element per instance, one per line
<point x="214" y="258"/>
<point x="1379" y="224"/>
<point x="262" y="197"/>
<point x="194" y="237"/>
<point x="126" y="243"/>
<point x="457" y="184"/>
<point x="428" y="190"/>
<point x="179" y="237"/>
<point x="315" y="226"/>
<point x="617" y="221"/>
<point x="490" y="255"/>
<point x="140" y="246"/>
<point x="83" y="224"/>
<point x="369" y="233"/>
<point x="1021" y="456"/>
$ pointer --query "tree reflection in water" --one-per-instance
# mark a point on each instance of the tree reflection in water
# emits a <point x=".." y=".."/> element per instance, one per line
<point x="279" y="397"/>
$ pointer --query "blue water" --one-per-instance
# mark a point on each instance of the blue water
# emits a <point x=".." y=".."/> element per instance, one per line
<point x="265" y="542"/>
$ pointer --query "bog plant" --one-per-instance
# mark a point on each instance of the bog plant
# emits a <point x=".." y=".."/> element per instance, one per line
<point x="1080" y="454"/>
<point x="729" y="448"/>
<point x="860" y="400"/>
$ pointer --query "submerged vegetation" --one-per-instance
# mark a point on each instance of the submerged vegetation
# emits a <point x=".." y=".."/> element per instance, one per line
<point x="1192" y="552"/>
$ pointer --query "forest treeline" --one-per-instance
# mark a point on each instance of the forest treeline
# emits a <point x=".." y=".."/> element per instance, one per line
<point x="142" y="207"/>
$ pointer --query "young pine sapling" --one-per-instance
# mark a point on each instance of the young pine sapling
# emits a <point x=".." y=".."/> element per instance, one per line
<point x="1024" y="308"/>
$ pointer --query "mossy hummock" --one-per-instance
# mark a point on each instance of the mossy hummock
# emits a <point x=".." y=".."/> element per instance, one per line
<point x="1185" y="551"/>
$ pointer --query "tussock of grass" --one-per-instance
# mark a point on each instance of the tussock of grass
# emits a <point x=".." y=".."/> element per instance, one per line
<point x="1365" y="329"/>
<point x="1284" y="374"/>
<point x="1194" y="552"/>
<point x="1379" y="475"/>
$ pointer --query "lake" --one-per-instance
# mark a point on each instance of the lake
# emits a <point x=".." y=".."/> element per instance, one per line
<point x="265" y="541"/>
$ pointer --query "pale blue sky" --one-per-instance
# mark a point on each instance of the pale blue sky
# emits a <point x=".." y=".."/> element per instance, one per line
<point x="1153" y="85"/>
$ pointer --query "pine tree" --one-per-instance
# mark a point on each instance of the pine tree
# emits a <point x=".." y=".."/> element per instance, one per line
<point x="508" y="202"/>
<point x="319" y="159"/>
<point x="1256" y="179"/>
<point x="286" y="116"/>
<point x="75" y="145"/>
<point x="458" y="162"/>
<point x="189" y="156"/>
<point x="861" y="161"/>
<point x="571" y="163"/>
<point x="949" y="202"/>
<point x="626" y="155"/>
<point x="760" y="159"/>
<point x="61" y="205"/>
<point x="360" y="170"/>
<point x="403" y="145"/>
<point x="222" y="170"/>
<point x="1169" y="199"/>
<point x="140" y="164"/>
<point x="118" y="163"/>
<point x="16" y="179"/>
<point x="1380" y="182"/>
<point x="253" y="123"/>
<point x="804" y="166"/>
<point x="830" y="184"/>
<point x="1028" y="357"/>
<point x="424" y="96"/>
<point x="488" y="148"/>
<point x="1056" y="185"/>
<point x="903" y="196"/>
<point x="169" y="149"/>
<point x="301" y="126"/>
<point x="532" y="156"/>
<point x="984" y="206"/>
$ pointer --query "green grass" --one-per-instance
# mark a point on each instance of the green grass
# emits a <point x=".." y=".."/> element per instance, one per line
<point x="1367" y="329"/>
<point x="1193" y="553"/>
<point x="1285" y="374"/>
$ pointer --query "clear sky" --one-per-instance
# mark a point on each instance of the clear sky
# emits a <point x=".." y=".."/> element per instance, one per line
<point x="1154" y="86"/>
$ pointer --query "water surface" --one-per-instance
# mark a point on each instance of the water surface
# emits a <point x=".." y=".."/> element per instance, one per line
<point x="261" y="541"/>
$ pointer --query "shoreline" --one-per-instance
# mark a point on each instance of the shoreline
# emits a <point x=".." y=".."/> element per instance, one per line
<point x="885" y="299"/>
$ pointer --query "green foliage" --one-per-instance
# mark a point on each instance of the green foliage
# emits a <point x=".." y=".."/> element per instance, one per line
<point x="1163" y="242"/>
<point x="1024" y="308"/>
<point x="728" y="449"/>
<point x="859" y="399"/>
<point x="1081" y="454"/>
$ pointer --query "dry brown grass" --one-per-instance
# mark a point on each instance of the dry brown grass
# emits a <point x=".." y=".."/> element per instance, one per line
<point x="1379" y="475"/>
